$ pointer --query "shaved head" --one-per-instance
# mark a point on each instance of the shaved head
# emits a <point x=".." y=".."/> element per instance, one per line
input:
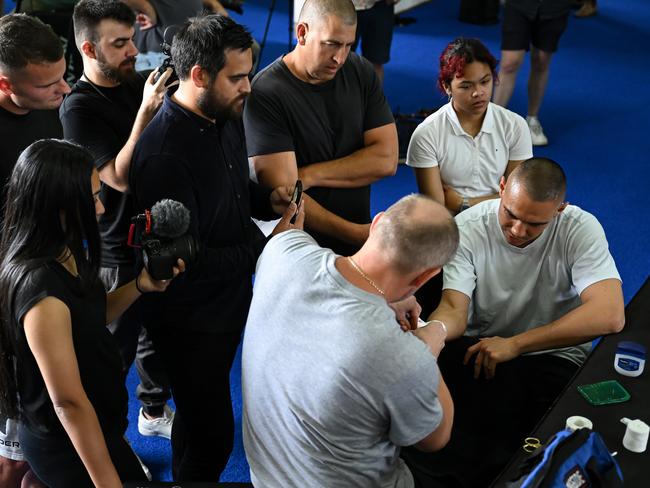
<point x="417" y="233"/>
<point x="314" y="11"/>
<point x="542" y="179"/>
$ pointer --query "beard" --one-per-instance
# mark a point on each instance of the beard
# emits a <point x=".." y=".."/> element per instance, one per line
<point x="123" y="72"/>
<point x="215" y="109"/>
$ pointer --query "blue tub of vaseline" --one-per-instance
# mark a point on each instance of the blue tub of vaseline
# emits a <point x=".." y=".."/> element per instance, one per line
<point x="630" y="358"/>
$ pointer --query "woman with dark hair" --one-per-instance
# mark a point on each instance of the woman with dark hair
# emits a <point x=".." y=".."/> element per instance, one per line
<point x="460" y="152"/>
<point x="60" y="368"/>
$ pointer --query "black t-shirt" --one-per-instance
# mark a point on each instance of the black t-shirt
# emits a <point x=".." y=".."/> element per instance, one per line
<point x="319" y="123"/>
<point x="98" y="357"/>
<point x="101" y="119"/>
<point x="19" y="131"/>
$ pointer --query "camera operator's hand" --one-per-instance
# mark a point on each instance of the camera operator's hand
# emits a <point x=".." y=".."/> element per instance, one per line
<point x="285" y="221"/>
<point x="146" y="284"/>
<point x="154" y="92"/>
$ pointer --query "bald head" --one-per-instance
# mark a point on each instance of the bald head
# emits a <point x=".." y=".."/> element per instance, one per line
<point x="314" y="11"/>
<point x="416" y="233"/>
<point x="542" y="179"/>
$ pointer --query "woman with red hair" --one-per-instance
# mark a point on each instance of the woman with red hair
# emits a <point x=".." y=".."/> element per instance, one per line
<point x="461" y="152"/>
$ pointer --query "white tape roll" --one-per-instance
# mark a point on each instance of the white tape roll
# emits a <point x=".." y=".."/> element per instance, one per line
<point x="577" y="422"/>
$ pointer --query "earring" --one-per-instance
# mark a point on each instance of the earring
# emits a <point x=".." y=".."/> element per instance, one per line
<point x="448" y="96"/>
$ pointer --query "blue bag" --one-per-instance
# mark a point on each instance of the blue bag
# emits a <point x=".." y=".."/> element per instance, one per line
<point x="577" y="459"/>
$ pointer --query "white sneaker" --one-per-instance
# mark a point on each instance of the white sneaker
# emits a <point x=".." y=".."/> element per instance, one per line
<point x="160" y="426"/>
<point x="536" y="132"/>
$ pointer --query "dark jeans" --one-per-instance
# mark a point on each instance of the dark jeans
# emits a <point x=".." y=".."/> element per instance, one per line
<point x="198" y="366"/>
<point x="58" y="465"/>
<point x="491" y="417"/>
<point x="135" y="345"/>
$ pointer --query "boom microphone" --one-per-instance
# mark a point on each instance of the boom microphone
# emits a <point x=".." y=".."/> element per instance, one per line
<point x="170" y="218"/>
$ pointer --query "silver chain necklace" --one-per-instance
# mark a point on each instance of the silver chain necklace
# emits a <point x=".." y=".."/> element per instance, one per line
<point x="365" y="276"/>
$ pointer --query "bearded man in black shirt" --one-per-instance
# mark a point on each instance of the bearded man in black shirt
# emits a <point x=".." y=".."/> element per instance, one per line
<point x="194" y="152"/>
<point x="106" y="112"/>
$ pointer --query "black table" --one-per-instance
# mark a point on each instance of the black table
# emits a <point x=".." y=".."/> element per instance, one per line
<point x="599" y="366"/>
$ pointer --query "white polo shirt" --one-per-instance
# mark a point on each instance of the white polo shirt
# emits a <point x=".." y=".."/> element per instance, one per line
<point x="470" y="165"/>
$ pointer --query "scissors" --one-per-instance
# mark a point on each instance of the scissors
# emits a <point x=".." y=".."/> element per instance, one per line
<point x="531" y="444"/>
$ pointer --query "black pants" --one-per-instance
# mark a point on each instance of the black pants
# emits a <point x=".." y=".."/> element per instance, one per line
<point x="57" y="464"/>
<point x="491" y="417"/>
<point x="198" y="366"/>
<point x="135" y="345"/>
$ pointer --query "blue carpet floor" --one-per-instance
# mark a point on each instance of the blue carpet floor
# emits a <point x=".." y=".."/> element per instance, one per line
<point x="596" y="115"/>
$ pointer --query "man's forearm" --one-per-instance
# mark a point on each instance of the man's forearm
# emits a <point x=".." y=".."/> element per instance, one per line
<point x="453" y="320"/>
<point x="447" y="404"/>
<point x="360" y="168"/>
<point x="319" y="219"/>
<point x="582" y="324"/>
<point x="119" y="177"/>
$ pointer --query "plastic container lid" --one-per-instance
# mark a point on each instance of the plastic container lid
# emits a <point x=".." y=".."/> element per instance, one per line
<point x="631" y="349"/>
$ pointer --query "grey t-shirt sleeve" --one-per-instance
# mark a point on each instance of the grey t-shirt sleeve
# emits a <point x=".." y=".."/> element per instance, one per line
<point x="413" y="404"/>
<point x="588" y="254"/>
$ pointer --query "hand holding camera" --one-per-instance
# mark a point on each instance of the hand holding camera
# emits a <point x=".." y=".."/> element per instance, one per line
<point x="162" y="234"/>
<point x="146" y="284"/>
<point x="154" y="90"/>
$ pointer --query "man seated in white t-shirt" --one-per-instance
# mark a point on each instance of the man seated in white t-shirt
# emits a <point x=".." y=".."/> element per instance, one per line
<point x="531" y="285"/>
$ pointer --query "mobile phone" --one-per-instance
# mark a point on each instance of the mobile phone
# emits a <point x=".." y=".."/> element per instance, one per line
<point x="296" y="198"/>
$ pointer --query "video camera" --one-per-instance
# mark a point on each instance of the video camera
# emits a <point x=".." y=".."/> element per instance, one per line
<point x="166" y="48"/>
<point x="162" y="235"/>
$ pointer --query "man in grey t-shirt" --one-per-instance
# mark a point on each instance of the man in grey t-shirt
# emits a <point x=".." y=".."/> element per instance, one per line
<point x="531" y="285"/>
<point x="332" y="386"/>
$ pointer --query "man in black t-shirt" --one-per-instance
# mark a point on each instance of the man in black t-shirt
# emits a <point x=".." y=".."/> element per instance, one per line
<point x="31" y="89"/>
<point x="106" y="112"/>
<point x="319" y="114"/>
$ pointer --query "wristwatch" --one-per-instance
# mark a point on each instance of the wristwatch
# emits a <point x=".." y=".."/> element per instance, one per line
<point x="464" y="204"/>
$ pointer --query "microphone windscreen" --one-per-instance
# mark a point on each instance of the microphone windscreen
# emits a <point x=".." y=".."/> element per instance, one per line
<point x="170" y="218"/>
